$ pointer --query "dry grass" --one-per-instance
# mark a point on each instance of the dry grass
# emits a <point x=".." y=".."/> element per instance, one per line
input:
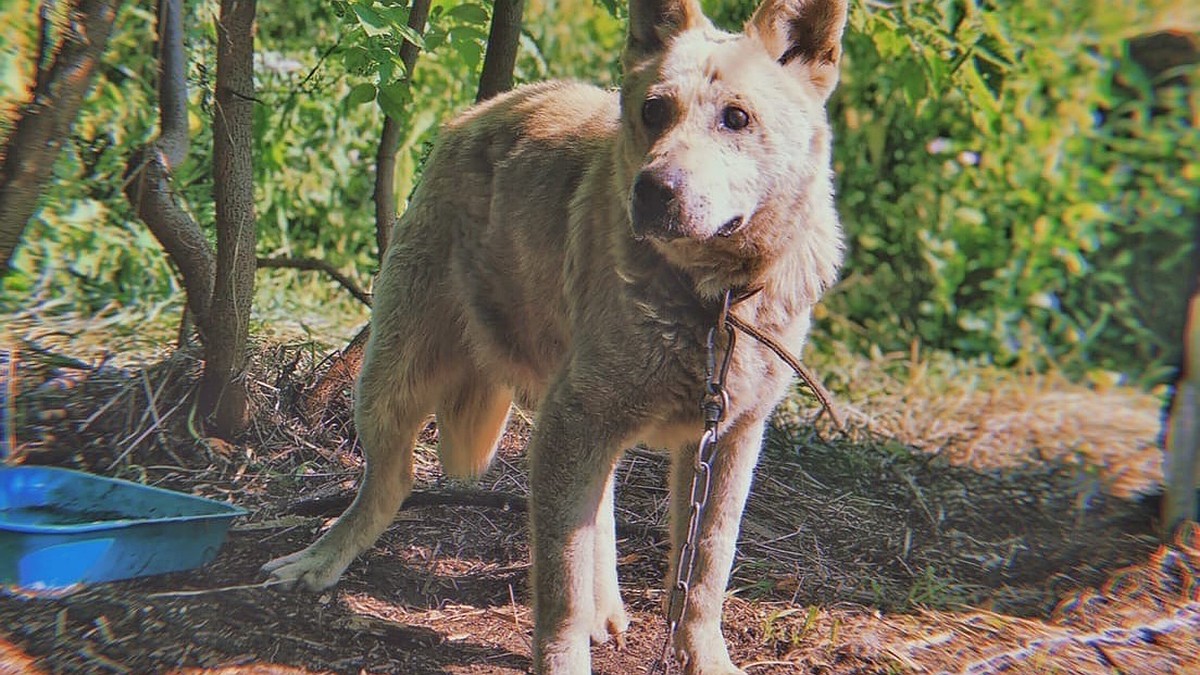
<point x="988" y="418"/>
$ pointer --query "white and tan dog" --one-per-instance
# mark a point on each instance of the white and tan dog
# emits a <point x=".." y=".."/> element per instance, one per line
<point x="568" y="248"/>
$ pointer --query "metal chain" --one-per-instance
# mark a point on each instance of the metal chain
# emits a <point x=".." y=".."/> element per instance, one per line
<point x="713" y="405"/>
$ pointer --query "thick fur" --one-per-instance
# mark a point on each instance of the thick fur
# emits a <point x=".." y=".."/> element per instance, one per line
<point x="566" y="249"/>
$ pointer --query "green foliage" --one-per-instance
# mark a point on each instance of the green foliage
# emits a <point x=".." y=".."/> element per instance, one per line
<point x="83" y="245"/>
<point x="1006" y="189"/>
<point x="1012" y="185"/>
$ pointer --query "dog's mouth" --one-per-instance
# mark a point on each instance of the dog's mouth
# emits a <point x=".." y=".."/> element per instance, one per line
<point x="729" y="228"/>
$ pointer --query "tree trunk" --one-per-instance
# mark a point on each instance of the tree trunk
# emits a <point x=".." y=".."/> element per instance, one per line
<point x="501" y="57"/>
<point x="45" y="122"/>
<point x="389" y="140"/>
<point x="1182" y="466"/>
<point x="223" y="389"/>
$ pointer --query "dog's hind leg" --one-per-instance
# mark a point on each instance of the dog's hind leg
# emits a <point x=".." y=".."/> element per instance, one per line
<point x="397" y="389"/>
<point x="471" y="417"/>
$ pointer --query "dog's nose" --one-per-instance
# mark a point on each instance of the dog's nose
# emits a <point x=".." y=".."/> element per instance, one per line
<point x="656" y="209"/>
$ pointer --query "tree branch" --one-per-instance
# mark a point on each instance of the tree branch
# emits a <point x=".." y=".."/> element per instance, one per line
<point x="501" y="57"/>
<point x="45" y="122"/>
<point x="149" y="189"/>
<point x="148" y="184"/>
<point x="45" y="43"/>
<point x="316" y="264"/>
<point x="172" y="84"/>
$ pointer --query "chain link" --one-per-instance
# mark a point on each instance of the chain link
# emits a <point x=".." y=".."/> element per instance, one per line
<point x="713" y="406"/>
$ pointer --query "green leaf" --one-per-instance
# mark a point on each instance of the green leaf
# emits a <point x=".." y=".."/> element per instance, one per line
<point x="469" y="14"/>
<point x="393" y="99"/>
<point x="912" y="80"/>
<point x="372" y="22"/>
<point x="468" y="34"/>
<point x="364" y="92"/>
<point x="410" y="35"/>
<point x="434" y="39"/>
<point x="355" y="59"/>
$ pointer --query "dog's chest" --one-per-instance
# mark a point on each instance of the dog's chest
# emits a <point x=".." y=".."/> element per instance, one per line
<point x="683" y="369"/>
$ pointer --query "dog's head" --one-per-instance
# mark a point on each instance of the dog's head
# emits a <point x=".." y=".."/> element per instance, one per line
<point x="725" y="148"/>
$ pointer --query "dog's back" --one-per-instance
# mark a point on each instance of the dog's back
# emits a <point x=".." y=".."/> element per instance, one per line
<point x="490" y="221"/>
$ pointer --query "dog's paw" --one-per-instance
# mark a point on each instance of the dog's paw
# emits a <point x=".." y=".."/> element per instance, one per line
<point x="308" y="569"/>
<point x="704" y="656"/>
<point x="714" y="666"/>
<point x="611" y="622"/>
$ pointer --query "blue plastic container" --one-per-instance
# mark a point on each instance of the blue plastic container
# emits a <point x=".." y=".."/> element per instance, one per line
<point x="60" y="527"/>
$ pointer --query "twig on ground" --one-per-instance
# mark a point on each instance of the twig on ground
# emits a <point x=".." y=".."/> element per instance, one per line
<point x="222" y="589"/>
<point x="151" y="410"/>
<point x="512" y="599"/>
<point x="102" y="409"/>
<point x="333" y="504"/>
<point x="916" y="490"/>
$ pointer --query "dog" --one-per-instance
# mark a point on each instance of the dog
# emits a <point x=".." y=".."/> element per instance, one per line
<point x="568" y="249"/>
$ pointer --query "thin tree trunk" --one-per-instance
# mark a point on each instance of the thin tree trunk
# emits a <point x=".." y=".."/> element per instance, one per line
<point x="345" y="366"/>
<point x="223" y="389"/>
<point x="503" y="40"/>
<point x="148" y="174"/>
<point x="389" y="140"/>
<point x="385" y="182"/>
<point x="45" y="122"/>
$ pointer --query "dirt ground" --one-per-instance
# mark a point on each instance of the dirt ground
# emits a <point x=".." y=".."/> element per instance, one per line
<point x="969" y="523"/>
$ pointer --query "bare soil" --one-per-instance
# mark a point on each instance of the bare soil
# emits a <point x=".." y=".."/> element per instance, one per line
<point x="981" y="527"/>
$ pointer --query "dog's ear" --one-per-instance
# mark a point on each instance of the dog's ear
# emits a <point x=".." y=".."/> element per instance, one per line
<point x="805" y="33"/>
<point x="652" y="23"/>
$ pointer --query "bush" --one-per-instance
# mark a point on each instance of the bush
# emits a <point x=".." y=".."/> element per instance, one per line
<point x="1014" y="186"/>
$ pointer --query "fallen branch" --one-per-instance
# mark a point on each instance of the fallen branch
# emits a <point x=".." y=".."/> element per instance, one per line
<point x="334" y="502"/>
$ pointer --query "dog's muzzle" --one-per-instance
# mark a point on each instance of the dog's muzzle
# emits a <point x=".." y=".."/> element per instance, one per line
<point x="656" y="209"/>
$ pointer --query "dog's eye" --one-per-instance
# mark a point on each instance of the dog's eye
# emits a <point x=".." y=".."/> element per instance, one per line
<point x="735" y="118"/>
<point x="656" y="112"/>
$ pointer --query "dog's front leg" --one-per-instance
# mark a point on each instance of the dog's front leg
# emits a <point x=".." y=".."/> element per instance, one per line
<point x="571" y="455"/>
<point x="610" y="619"/>
<point x="698" y="640"/>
